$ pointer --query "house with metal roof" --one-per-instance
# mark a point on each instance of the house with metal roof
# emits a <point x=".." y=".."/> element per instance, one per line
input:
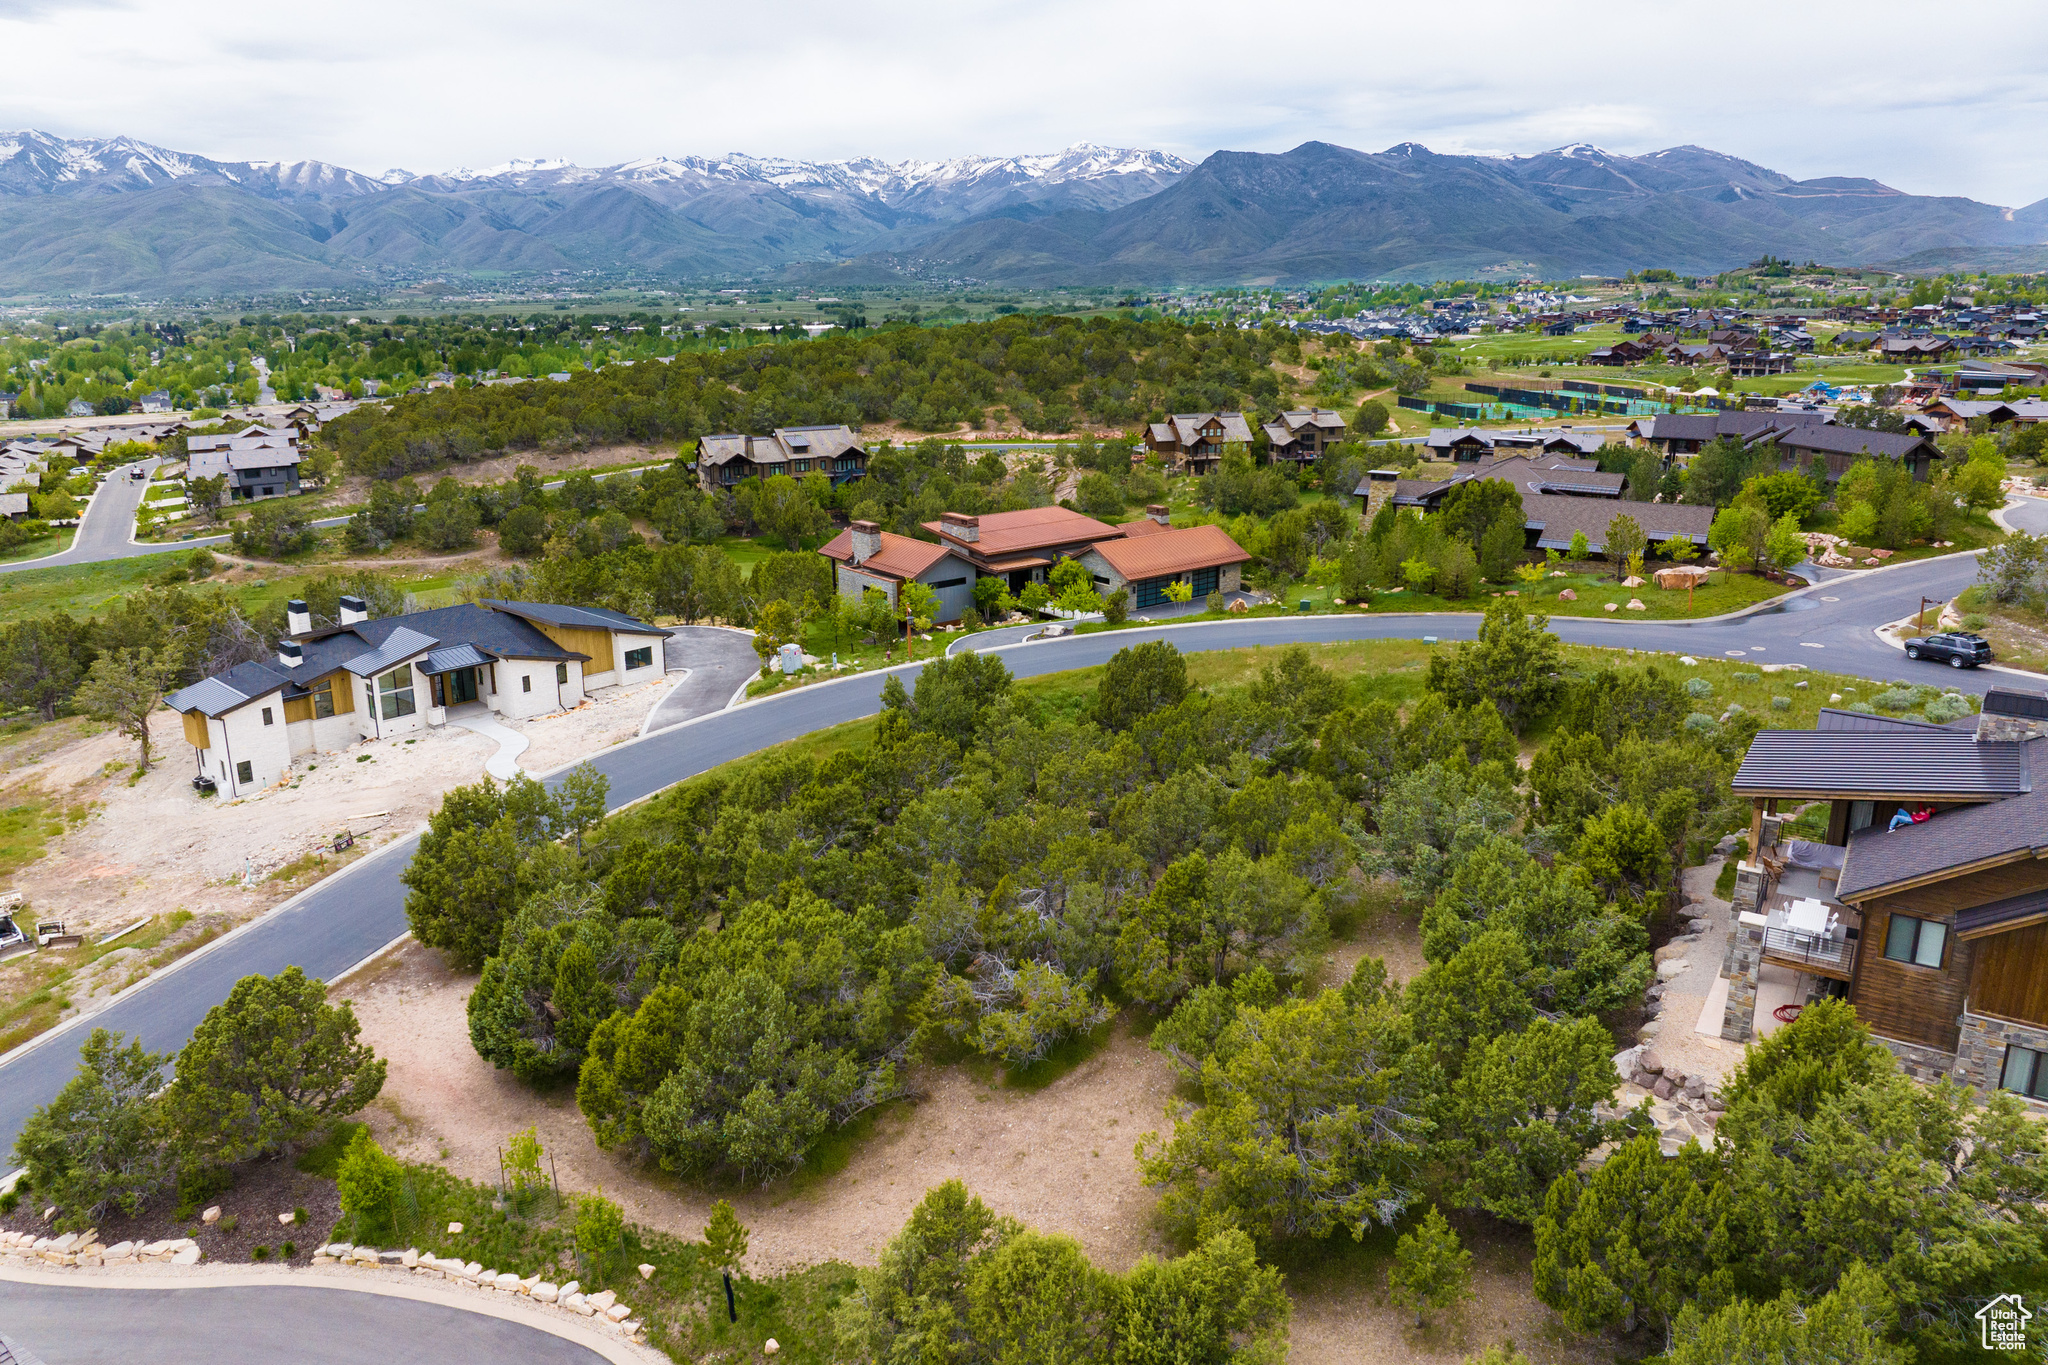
<point x="1923" y="903"/>
<point x="1562" y="497"/>
<point x="728" y="459"/>
<point x="865" y="556"/>
<point x="365" y="678"/>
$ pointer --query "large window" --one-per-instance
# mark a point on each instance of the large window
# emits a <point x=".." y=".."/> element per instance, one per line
<point x="1918" y="941"/>
<point x="323" y="699"/>
<point x="640" y="658"/>
<point x="2026" y="1070"/>
<point x="394" y="693"/>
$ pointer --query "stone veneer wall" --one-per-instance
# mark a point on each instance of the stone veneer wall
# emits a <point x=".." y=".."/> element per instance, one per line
<point x="1980" y="1051"/>
<point x="1921" y="1063"/>
<point x="1745" y="954"/>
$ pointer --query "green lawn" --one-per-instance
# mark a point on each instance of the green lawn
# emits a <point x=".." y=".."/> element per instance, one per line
<point x="55" y="543"/>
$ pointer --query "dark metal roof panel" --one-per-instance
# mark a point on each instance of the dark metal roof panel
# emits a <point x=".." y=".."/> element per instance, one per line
<point x="1906" y="762"/>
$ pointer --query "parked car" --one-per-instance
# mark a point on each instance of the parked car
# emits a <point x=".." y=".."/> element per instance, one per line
<point x="1959" y="650"/>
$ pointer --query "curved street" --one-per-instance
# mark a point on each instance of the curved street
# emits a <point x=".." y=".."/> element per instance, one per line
<point x="261" y="1325"/>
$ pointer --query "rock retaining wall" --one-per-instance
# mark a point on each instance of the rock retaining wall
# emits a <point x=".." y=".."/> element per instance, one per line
<point x="85" y="1249"/>
<point x="603" y="1307"/>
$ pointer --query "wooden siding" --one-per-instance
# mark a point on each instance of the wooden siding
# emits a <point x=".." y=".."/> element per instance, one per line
<point x="596" y="643"/>
<point x="344" y="692"/>
<point x="298" y="708"/>
<point x="195" y="730"/>
<point x="1941" y="899"/>
<point x="1899" y="1000"/>
<point x="2009" y="977"/>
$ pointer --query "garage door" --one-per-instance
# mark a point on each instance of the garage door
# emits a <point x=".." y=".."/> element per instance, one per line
<point x="1205" y="581"/>
<point x="1151" y="592"/>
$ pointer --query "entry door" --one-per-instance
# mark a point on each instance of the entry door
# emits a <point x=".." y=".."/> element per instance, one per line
<point x="461" y="686"/>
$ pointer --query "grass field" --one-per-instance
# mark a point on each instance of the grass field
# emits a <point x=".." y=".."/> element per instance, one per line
<point x="86" y="589"/>
<point x="55" y="543"/>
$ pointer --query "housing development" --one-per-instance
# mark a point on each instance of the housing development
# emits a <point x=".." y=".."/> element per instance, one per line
<point x="1090" y="756"/>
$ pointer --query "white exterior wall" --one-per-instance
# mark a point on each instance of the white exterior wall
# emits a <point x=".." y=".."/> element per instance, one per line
<point x="374" y="725"/>
<point x="240" y="737"/>
<point x="513" y="700"/>
<point x="622" y="641"/>
<point x="332" y="733"/>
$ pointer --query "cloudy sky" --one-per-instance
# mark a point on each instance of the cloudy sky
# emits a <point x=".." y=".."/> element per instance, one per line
<point x="1942" y="101"/>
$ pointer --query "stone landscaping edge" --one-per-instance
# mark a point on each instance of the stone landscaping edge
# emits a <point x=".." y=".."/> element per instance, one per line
<point x="406" y="1275"/>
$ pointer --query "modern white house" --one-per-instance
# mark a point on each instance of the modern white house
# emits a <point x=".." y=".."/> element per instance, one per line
<point x="367" y="679"/>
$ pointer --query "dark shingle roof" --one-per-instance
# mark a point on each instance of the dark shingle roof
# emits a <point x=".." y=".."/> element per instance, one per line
<point x="1936" y="764"/>
<point x="1952" y="839"/>
<point x="586" y="618"/>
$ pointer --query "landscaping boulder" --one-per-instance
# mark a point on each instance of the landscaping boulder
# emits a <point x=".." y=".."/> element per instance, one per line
<point x="1632" y="582"/>
<point x="1663" y="1089"/>
<point x="1636" y="604"/>
<point x="1612" y="606"/>
<point x="1699" y="925"/>
<point x="1695" y="1087"/>
<point x="646" y="1272"/>
<point x="1671" y="968"/>
<point x="212" y="1215"/>
<point x="1625" y="1061"/>
<point x="1651" y="1062"/>
<point x="1567" y="595"/>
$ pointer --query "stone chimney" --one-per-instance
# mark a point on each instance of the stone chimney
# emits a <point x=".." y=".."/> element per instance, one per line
<point x="297" y="620"/>
<point x="1159" y="512"/>
<point x="867" y="541"/>
<point x="960" y="526"/>
<point x="290" y="654"/>
<point x="1380" y="488"/>
<point x="2010" y="714"/>
<point x="354" y="609"/>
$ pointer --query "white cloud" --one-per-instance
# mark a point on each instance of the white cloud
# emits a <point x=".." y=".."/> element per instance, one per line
<point x="1822" y="88"/>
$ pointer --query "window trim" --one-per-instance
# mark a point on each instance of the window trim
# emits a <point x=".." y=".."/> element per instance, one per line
<point x="561" y="675"/>
<point x="645" y="655"/>
<point x="526" y="682"/>
<point x="2037" y="1074"/>
<point x="323" y="696"/>
<point x="1912" y="958"/>
<point x="396" y="699"/>
<point x="245" y="772"/>
<point x="268" y="718"/>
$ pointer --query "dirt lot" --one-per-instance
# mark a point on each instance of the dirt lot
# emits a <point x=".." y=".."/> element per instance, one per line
<point x="157" y="847"/>
<point x="552" y="464"/>
<point x="1061" y="1158"/>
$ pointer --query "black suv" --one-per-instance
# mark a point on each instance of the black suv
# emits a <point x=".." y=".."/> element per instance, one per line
<point x="1960" y="650"/>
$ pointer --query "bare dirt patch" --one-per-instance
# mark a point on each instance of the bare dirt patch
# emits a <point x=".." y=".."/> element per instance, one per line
<point x="262" y="1190"/>
<point x="1061" y="1158"/>
<point x="552" y="464"/>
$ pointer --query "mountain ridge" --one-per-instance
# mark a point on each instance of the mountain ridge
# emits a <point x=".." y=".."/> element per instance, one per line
<point x="1084" y="215"/>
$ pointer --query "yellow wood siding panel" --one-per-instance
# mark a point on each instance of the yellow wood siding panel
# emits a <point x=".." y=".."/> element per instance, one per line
<point x="298" y="708"/>
<point x="195" y="729"/>
<point x="596" y="643"/>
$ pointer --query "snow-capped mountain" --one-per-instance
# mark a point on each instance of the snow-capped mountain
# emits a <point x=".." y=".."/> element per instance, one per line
<point x="33" y="163"/>
<point x="929" y="185"/>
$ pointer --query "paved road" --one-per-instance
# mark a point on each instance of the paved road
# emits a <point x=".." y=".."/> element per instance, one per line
<point x="339" y="922"/>
<point x="719" y="660"/>
<point x="264" y="1325"/>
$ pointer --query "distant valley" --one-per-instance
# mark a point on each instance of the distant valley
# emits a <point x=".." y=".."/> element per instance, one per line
<point x="119" y="216"/>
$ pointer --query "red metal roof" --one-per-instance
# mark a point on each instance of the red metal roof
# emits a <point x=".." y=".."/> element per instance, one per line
<point x="1171" y="552"/>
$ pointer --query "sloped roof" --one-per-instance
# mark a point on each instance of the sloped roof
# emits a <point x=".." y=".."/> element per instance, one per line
<point x="586" y="618"/>
<point x="1934" y="764"/>
<point x="1033" y="528"/>
<point x="454" y="657"/>
<point x="1169" y="552"/>
<point x="1880" y="858"/>
<point x="899" y="557"/>
<point x="1838" y="440"/>
<point x="223" y="692"/>
<point x="400" y="645"/>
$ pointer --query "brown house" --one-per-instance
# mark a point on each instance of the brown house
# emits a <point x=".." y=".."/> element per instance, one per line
<point x="1303" y="434"/>
<point x="726" y="460"/>
<point x="1936" y="929"/>
<point x="1193" y="442"/>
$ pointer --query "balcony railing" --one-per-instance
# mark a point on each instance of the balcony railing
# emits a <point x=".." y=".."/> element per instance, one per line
<point x="1830" y="954"/>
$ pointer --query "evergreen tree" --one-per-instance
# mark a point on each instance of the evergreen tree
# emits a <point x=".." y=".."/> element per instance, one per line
<point x="1430" y="1269"/>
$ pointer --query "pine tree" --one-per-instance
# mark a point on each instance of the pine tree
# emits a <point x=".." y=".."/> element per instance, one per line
<point x="1431" y="1269"/>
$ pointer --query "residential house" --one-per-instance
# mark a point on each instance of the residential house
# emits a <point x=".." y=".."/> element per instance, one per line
<point x="1684" y="433"/>
<point x="366" y="678"/>
<point x="1462" y="444"/>
<point x="1193" y="442"/>
<point x="1840" y="447"/>
<point x="14" y="506"/>
<point x="1301" y="435"/>
<point x="1924" y="902"/>
<point x="1022" y="547"/>
<point x="865" y="556"/>
<point x="1151" y="556"/>
<point x="8" y="398"/>
<point x="78" y="407"/>
<point x="1907" y="350"/>
<point x="1560" y="498"/>
<point x="726" y="460"/>
<point x="258" y="463"/>
<point x="158" y="401"/>
<point x="1620" y="353"/>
